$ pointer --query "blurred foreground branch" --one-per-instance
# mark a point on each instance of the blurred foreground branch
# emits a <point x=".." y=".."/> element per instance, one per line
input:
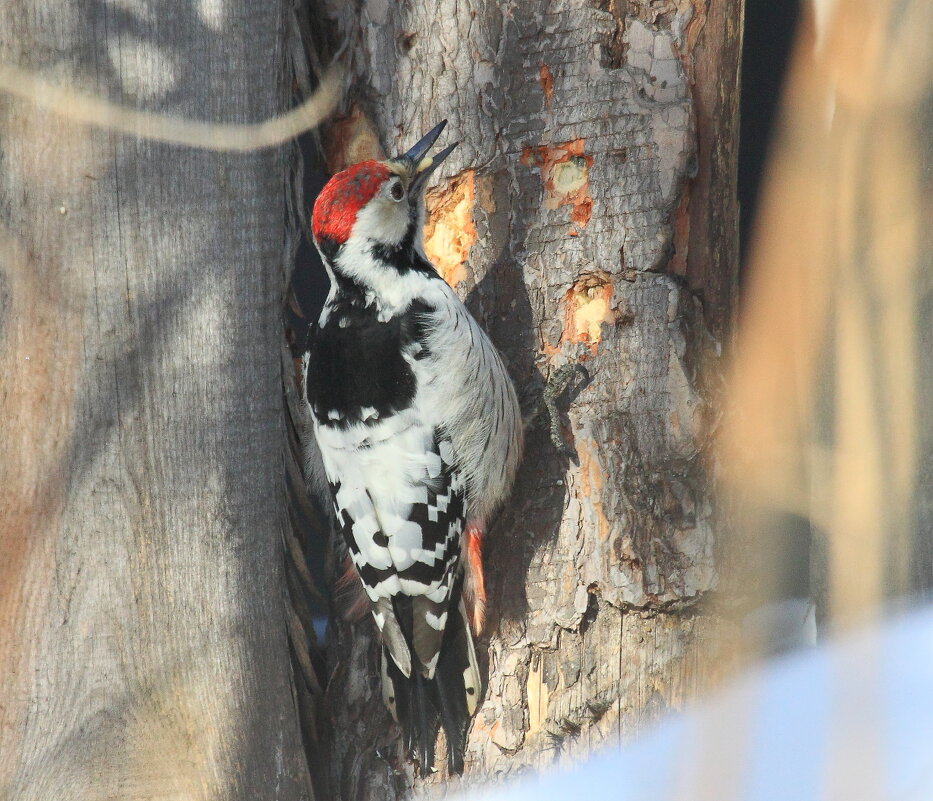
<point x="88" y="109"/>
<point x="830" y="390"/>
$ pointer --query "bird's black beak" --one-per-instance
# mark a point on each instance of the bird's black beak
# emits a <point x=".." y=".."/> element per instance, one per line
<point x="422" y="164"/>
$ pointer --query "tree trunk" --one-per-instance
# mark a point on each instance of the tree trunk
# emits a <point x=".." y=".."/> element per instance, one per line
<point x="143" y="650"/>
<point x="573" y="228"/>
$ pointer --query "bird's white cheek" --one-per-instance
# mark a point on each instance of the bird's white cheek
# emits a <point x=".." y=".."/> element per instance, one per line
<point x="383" y="221"/>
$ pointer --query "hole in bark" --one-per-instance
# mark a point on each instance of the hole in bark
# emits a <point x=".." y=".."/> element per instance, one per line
<point x="406" y="41"/>
<point x="587" y="307"/>
<point x="450" y="233"/>
<point x="592" y="608"/>
<point x="565" y="172"/>
<point x="614" y="46"/>
<point x="546" y="79"/>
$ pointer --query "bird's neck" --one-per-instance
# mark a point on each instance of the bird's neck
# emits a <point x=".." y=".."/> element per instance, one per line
<point x="385" y="279"/>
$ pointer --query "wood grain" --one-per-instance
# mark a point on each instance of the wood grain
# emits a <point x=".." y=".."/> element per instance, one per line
<point x="144" y="641"/>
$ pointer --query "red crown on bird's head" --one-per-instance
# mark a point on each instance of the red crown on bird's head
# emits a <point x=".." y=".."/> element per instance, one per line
<point x="341" y="199"/>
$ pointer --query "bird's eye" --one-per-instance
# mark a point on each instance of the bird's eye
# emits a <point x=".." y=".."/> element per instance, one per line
<point x="396" y="191"/>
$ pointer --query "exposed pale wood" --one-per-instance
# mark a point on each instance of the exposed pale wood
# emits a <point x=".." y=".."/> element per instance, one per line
<point x="578" y="141"/>
<point x="144" y="649"/>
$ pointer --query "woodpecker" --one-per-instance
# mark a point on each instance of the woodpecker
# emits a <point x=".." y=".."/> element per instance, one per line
<point x="419" y="429"/>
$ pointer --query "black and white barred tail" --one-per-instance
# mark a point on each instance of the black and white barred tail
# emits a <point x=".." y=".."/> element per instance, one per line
<point x="422" y="705"/>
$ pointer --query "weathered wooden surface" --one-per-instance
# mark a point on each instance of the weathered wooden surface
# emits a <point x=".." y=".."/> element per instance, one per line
<point x="142" y="633"/>
<point x="566" y="221"/>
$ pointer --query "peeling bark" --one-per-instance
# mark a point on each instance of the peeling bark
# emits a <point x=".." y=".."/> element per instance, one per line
<point x="578" y="129"/>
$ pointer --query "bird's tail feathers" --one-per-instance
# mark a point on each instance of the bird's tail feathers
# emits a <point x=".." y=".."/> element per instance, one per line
<point x="422" y="705"/>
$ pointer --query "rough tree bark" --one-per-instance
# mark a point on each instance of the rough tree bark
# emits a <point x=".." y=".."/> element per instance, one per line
<point x="588" y="217"/>
<point x="142" y="639"/>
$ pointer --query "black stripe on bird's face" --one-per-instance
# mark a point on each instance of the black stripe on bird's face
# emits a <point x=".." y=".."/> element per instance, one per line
<point x="404" y="256"/>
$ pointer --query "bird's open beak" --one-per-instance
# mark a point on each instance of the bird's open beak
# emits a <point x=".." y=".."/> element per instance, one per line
<point x="423" y="164"/>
